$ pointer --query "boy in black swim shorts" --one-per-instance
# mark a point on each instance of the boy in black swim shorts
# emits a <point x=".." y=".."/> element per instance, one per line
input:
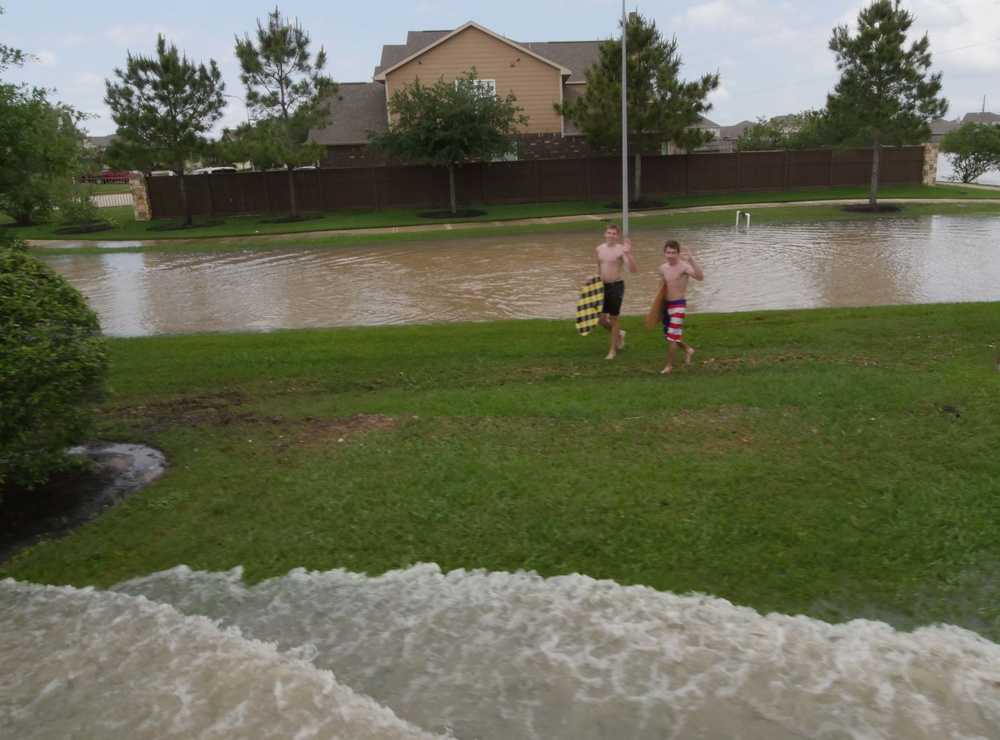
<point x="611" y="257"/>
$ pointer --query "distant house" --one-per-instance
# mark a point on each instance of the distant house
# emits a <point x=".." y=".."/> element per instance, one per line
<point x="939" y="126"/>
<point x="729" y="135"/>
<point x="981" y="118"/>
<point x="539" y="75"/>
<point x="668" y="147"/>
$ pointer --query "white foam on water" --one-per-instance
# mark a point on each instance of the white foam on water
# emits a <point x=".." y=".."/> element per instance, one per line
<point x="483" y="655"/>
<point x="89" y="664"/>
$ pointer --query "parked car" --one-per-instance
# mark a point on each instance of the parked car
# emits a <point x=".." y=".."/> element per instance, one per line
<point x="212" y="170"/>
<point x="106" y="176"/>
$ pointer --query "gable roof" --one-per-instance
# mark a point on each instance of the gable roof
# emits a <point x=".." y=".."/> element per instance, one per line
<point x="981" y="118"/>
<point x="358" y="109"/>
<point x="393" y="54"/>
<point x="412" y="49"/>
<point x="736" y="130"/>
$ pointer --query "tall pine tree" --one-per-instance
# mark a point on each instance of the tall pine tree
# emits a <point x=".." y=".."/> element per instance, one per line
<point x="661" y="107"/>
<point x="163" y="107"/>
<point x="284" y="89"/>
<point x="885" y="95"/>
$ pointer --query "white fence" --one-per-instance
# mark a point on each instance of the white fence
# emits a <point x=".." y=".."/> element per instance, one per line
<point x="112" y="199"/>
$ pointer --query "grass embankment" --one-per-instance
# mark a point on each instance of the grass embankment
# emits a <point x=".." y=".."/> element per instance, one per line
<point x="677" y="214"/>
<point x="838" y="463"/>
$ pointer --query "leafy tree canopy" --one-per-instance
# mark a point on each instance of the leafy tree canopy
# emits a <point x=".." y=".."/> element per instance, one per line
<point x="885" y="94"/>
<point x="803" y="130"/>
<point x="661" y="107"/>
<point x="972" y="149"/>
<point x="41" y="150"/>
<point x="448" y="123"/>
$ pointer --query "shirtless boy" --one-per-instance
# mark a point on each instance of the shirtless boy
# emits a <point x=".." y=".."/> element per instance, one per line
<point x="611" y="257"/>
<point x="680" y="265"/>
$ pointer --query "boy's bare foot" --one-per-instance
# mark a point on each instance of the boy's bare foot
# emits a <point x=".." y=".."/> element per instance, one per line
<point x="611" y="355"/>
<point x="666" y="370"/>
<point x="688" y="352"/>
<point x="621" y="339"/>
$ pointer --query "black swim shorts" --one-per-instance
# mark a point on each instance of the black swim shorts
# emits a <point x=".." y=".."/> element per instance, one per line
<point x="613" y="295"/>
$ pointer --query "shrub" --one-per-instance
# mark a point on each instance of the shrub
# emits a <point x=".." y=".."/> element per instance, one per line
<point x="53" y="368"/>
<point x="79" y="210"/>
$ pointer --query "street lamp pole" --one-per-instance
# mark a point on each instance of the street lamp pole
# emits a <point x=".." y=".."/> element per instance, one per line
<point x="624" y="130"/>
<point x="249" y="122"/>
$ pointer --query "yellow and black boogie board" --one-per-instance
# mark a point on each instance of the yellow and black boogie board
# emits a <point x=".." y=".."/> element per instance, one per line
<point x="589" y="304"/>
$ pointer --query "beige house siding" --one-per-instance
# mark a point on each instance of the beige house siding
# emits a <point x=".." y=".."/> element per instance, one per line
<point x="537" y="84"/>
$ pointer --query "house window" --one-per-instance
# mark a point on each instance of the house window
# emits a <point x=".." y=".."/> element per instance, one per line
<point x="485" y="87"/>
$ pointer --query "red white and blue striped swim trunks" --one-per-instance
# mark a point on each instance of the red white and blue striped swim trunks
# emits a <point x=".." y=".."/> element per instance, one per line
<point x="673" y="319"/>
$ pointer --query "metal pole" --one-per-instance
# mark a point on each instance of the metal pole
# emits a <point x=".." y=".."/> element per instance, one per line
<point x="624" y="132"/>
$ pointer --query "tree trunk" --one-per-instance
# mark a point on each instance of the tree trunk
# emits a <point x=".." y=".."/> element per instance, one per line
<point x="876" y="155"/>
<point x="638" y="176"/>
<point x="293" y="212"/>
<point x="451" y="188"/>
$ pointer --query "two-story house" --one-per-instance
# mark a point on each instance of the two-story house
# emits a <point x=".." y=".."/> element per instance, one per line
<point x="539" y="74"/>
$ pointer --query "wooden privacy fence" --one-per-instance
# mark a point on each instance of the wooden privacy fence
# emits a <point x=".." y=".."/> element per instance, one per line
<point x="530" y="181"/>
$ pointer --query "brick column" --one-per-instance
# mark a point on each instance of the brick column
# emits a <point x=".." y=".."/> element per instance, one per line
<point x="140" y="197"/>
<point x="930" y="164"/>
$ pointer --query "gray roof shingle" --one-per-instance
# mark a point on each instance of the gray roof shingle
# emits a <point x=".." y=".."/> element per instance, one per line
<point x="359" y="108"/>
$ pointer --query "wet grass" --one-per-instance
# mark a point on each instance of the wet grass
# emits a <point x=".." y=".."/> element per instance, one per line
<point x="836" y="462"/>
<point x="306" y="232"/>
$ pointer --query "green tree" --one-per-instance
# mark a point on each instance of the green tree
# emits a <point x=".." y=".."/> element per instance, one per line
<point x="41" y="153"/>
<point x="885" y="95"/>
<point x="53" y="368"/>
<point x="164" y="106"/>
<point x="41" y="146"/>
<point x="803" y="130"/>
<point x="9" y="56"/>
<point x="972" y="149"/>
<point x="284" y="90"/>
<point x="449" y="123"/>
<point x="661" y="107"/>
<point x="763" y="135"/>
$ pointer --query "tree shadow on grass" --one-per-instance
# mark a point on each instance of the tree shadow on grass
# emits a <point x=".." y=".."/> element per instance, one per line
<point x="91" y="227"/>
<point x="468" y="213"/>
<point x="868" y="208"/>
<point x="293" y="219"/>
<point x="643" y="204"/>
<point x="185" y="227"/>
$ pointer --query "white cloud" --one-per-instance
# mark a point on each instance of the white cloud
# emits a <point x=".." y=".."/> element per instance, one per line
<point x="48" y="59"/>
<point x="141" y="35"/>
<point x="88" y="81"/>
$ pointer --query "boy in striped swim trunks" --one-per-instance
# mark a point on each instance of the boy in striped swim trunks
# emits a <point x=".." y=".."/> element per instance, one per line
<point x="680" y="265"/>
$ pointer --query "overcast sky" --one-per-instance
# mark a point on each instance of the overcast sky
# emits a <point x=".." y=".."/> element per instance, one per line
<point x="772" y="54"/>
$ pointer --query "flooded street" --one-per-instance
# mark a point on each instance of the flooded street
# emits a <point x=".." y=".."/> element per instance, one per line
<point x="783" y="266"/>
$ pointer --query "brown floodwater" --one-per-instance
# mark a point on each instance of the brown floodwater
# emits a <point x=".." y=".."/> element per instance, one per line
<point x="761" y="267"/>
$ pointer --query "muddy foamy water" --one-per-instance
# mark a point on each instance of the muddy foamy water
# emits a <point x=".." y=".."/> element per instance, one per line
<point x="418" y="653"/>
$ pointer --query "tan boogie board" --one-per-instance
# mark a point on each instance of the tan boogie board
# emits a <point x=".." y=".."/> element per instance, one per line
<point x="654" y="315"/>
<point x="589" y="304"/>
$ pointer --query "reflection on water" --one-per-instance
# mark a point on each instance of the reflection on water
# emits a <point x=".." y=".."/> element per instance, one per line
<point x="468" y="655"/>
<point x="801" y="265"/>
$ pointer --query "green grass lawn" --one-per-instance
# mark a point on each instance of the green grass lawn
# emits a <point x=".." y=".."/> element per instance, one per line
<point x="838" y="462"/>
<point x="127" y="229"/>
